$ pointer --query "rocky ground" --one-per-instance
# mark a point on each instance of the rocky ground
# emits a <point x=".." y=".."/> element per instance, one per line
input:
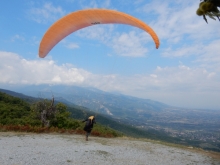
<point x="61" y="149"/>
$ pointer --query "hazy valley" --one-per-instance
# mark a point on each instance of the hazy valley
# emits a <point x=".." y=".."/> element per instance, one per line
<point x="197" y="127"/>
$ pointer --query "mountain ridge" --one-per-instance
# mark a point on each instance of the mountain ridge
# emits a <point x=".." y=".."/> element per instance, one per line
<point x="155" y="120"/>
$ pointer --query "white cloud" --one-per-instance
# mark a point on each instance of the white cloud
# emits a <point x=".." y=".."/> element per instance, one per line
<point x="153" y="75"/>
<point x="129" y="44"/>
<point x="209" y="55"/>
<point x="16" y="70"/>
<point x="72" y="46"/>
<point x="106" y="3"/>
<point x="17" y="37"/>
<point x="182" y="85"/>
<point x="47" y="13"/>
<point x="177" y="21"/>
<point x="204" y="54"/>
<point x="97" y="32"/>
<point x="96" y="4"/>
<point x="185" y="50"/>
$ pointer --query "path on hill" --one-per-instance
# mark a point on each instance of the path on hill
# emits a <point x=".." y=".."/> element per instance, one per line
<point x="56" y="149"/>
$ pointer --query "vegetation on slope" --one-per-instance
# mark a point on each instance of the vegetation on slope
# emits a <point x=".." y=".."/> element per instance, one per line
<point x="25" y="115"/>
<point x="18" y="115"/>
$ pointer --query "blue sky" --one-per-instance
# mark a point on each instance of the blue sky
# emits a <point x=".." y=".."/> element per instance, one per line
<point x="184" y="71"/>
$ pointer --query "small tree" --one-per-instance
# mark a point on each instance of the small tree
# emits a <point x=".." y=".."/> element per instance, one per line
<point x="54" y="115"/>
<point x="62" y="116"/>
<point x="45" y="111"/>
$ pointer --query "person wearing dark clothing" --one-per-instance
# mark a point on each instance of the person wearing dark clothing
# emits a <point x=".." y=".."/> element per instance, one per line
<point x="89" y="125"/>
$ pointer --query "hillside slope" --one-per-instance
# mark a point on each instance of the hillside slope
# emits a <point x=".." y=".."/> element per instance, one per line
<point x="191" y="127"/>
<point x="81" y="113"/>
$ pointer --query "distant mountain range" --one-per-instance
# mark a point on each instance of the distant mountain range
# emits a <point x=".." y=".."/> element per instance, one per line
<point x="132" y="110"/>
<point x="156" y="120"/>
<point x="118" y="106"/>
<point x="139" y="112"/>
<point x="80" y="113"/>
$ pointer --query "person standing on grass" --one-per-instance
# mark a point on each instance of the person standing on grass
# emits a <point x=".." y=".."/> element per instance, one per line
<point x="89" y="125"/>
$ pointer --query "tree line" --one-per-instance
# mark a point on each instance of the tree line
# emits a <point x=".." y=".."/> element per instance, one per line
<point x="43" y="114"/>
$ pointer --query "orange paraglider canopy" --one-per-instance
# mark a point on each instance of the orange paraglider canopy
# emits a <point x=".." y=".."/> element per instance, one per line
<point x="84" y="18"/>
